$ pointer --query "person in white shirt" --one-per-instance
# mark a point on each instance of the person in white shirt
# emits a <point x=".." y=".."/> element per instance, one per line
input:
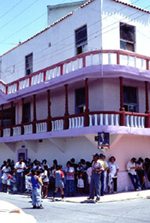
<point x="20" y="167"/>
<point x="113" y="169"/>
<point x="80" y="183"/>
<point x="131" y="168"/>
<point x="70" y="179"/>
<point x="5" y="172"/>
<point x="95" y="178"/>
<point x="45" y="180"/>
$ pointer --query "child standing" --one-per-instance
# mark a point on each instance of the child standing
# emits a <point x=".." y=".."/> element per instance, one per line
<point x="80" y="183"/>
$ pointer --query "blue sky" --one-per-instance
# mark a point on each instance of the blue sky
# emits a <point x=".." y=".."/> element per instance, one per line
<point x="21" y="19"/>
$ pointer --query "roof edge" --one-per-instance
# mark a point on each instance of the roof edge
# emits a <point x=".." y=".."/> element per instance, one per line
<point x="132" y="6"/>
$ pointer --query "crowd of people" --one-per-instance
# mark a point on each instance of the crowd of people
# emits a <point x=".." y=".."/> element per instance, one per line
<point x="95" y="178"/>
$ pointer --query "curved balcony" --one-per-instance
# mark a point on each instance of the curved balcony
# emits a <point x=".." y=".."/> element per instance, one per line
<point x="114" y="122"/>
<point x="85" y="60"/>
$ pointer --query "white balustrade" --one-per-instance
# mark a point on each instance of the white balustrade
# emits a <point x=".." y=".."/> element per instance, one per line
<point x="133" y="61"/>
<point x="104" y="119"/>
<point x="101" y="119"/>
<point x="37" y="79"/>
<point x="3" y="88"/>
<point x="142" y="122"/>
<point x="41" y="127"/>
<point x="23" y="84"/>
<point x="53" y="73"/>
<point x="76" y="122"/>
<point x="16" y="131"/>
<point x="117" y="120"/>
<point x="28" y="129"/>
<point x="112" y="58"/>
<point x="58" y="125"/>
<point x="127" y="120"/>
<point x="135" y="121"/>
<point x="12" y="88"/>
<point x="112" y="119"/>
<point x="72" y="65"/>
<point x="95" y="120"/>
<point x="109" y="58"/>
<point x="141" y="63"/>
<point x="77" y="64"/>
<point x="6" y="132"/>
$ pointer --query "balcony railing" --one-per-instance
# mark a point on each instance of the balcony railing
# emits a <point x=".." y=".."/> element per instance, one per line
<point x="98" y="57"/>
<point x="107" y="118"/>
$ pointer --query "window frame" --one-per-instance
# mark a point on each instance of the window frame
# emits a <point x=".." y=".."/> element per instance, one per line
<point x="29" y="64"/>
<point x="80" y="107"/>
<point x="80" y="45"/>
<point x="26" y="116"/>
<point x="129" y="105"/>
<point x="128" y="41"/>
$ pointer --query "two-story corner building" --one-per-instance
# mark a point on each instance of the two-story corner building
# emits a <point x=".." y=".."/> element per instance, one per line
<point x="86" y="73"/>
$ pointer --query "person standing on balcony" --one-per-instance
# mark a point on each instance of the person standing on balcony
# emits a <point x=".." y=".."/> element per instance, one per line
<point x="95" y="178"/>
<point x="20" y="167"/>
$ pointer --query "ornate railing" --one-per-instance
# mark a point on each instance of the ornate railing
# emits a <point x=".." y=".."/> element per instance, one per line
<point x="96" y="118"/>
<point x="98" y="57"/>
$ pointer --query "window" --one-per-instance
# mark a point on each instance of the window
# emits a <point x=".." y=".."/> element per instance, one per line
<point x="29" y="64"/>
<point x="127" y="37"/>
<point x="26" y="112"/>
<point x="80" y="100"/>
<point x="81" y="39"/>
<point x="130" y="99"/>
<point x="8" y="117"/>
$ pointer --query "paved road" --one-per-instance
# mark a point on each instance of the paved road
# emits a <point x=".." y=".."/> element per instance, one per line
<point x="129" y="211"/>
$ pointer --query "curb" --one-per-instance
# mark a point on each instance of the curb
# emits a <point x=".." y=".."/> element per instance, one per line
<point x="113" y="197"/>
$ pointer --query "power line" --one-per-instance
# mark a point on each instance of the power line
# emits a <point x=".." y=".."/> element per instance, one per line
<point x="27" y="25"/>
<point x="10" y="9"/>
<point x="20" y="13"/>
<point x="40" y="17"/>
<point x="62" y="49"/>
<point x="43" y="14"/>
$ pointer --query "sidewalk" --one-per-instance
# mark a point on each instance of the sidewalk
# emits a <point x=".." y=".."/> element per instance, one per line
<point x="113" y="197"/>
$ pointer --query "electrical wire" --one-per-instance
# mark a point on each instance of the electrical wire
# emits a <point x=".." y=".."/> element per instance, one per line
<point x="20" y="13"/>
<point x="10" y="9"/>
<point x="60" y="49"/>
<point x="27" y="25"/>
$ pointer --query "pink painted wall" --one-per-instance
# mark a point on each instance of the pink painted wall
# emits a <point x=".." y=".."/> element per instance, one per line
<point x="124" y="147"/>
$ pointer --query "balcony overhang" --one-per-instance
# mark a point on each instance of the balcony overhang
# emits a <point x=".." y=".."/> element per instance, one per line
<point x="94" y="64"/>
<point x="79" y="132"/>
<point x="91" y="72"/>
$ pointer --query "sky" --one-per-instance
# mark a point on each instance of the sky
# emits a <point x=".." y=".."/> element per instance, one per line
<point x="21" y="19"/>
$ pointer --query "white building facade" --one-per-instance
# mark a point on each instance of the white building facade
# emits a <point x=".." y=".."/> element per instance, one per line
<point x="88" y="72"/>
